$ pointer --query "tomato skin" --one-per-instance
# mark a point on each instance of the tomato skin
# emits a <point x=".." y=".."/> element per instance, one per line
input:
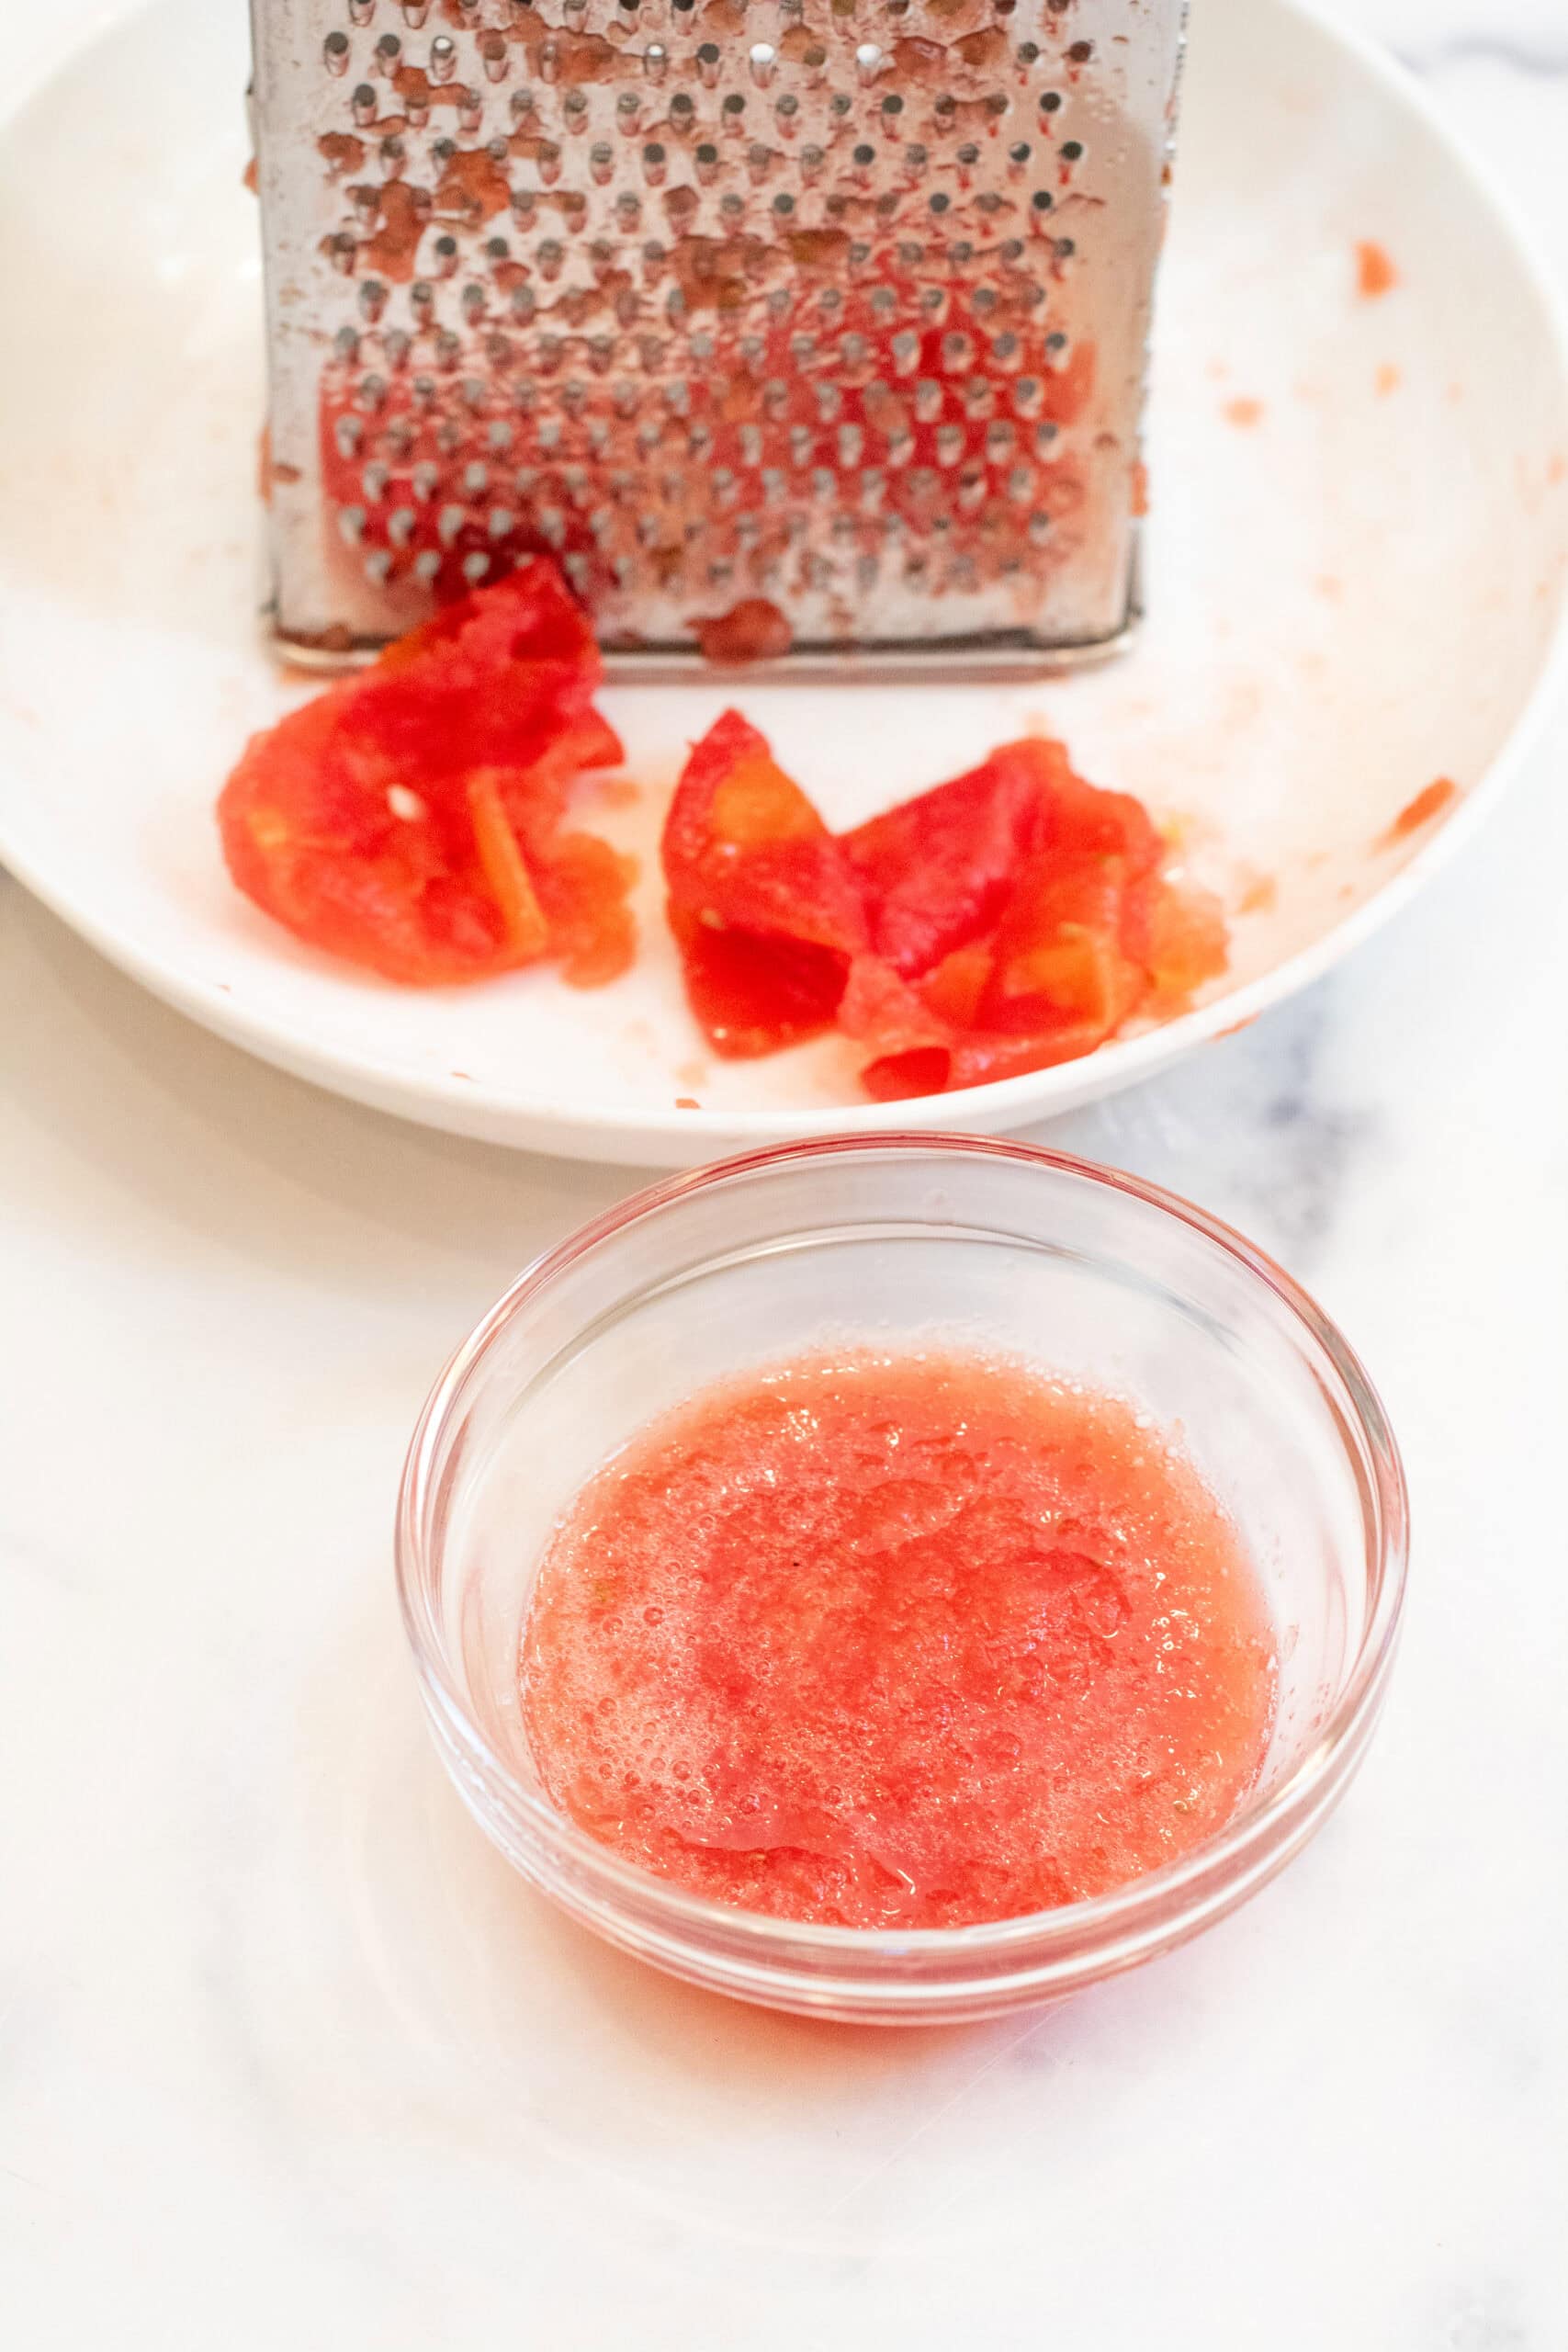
<point x="745" y="850"/>
<point x="764" y="907"/>
<point x="1008" y="920"/>
<point x="751" y="995"/>
<point x="407" y="821"/>
<point x="936" y="869"/>
<point x="1058" y="960"/>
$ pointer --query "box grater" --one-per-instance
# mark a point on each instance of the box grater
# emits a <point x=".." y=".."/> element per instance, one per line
<point x="808" y="330"/>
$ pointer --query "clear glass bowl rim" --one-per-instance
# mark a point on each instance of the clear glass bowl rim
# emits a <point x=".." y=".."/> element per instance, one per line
<point x="1148" y="1910"/>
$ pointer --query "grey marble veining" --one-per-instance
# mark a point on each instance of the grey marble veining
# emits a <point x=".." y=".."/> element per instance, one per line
<point x="1256" y="1132"/>
<point x="1546" y="62"/>
<point x="1529" y="35"/>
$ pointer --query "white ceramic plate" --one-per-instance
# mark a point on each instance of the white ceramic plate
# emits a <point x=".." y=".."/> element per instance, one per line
<point x="1357" y="554"/>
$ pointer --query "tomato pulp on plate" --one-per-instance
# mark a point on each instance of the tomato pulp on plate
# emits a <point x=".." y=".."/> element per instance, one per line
<point x="898" y="1641"/>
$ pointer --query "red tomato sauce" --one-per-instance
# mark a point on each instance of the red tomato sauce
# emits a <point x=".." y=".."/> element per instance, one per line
<point x="909" y="1642"/>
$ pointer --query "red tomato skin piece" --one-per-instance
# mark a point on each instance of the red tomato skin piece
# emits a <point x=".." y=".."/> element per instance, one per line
<point x="752" y="996"/>
<point x="745" y="850"/>
<point x="1008" y="920"/>
<point x="1082" y="934"/>
<point x="937" y="870"/>
<point x="765" y="909"/>
<point x="407" y="820"/>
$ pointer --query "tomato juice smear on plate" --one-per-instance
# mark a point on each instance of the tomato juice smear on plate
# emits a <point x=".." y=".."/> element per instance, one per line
<point x="893" y="1642"/>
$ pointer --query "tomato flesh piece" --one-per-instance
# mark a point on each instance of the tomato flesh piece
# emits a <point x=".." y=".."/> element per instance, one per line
<point x="408" y="820"/>
<point x="1010" y="920"/>
<point x="751" y="996"/>
<point x="1057" y="961"/>
<point x="762" y="901"/>
<point x="1188" y="942"/>
<point x="936" y="869"/>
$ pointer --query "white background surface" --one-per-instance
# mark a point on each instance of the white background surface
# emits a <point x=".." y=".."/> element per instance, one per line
<point x="288" y="2058"/>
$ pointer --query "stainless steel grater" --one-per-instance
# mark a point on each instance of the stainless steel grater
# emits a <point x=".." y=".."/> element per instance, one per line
<point x="816" y="324"/>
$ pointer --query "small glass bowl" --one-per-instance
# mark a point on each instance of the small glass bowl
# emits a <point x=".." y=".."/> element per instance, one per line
<point x="903" y="1240"/>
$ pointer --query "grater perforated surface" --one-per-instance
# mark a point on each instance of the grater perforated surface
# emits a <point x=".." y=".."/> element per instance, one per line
<point x="804" y="323"/>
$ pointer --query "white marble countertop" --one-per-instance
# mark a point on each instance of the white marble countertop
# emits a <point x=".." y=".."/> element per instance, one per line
<point x="289" y="2057"/>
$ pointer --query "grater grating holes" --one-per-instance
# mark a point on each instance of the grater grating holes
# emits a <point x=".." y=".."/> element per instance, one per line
<point x="724" y="265"/>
